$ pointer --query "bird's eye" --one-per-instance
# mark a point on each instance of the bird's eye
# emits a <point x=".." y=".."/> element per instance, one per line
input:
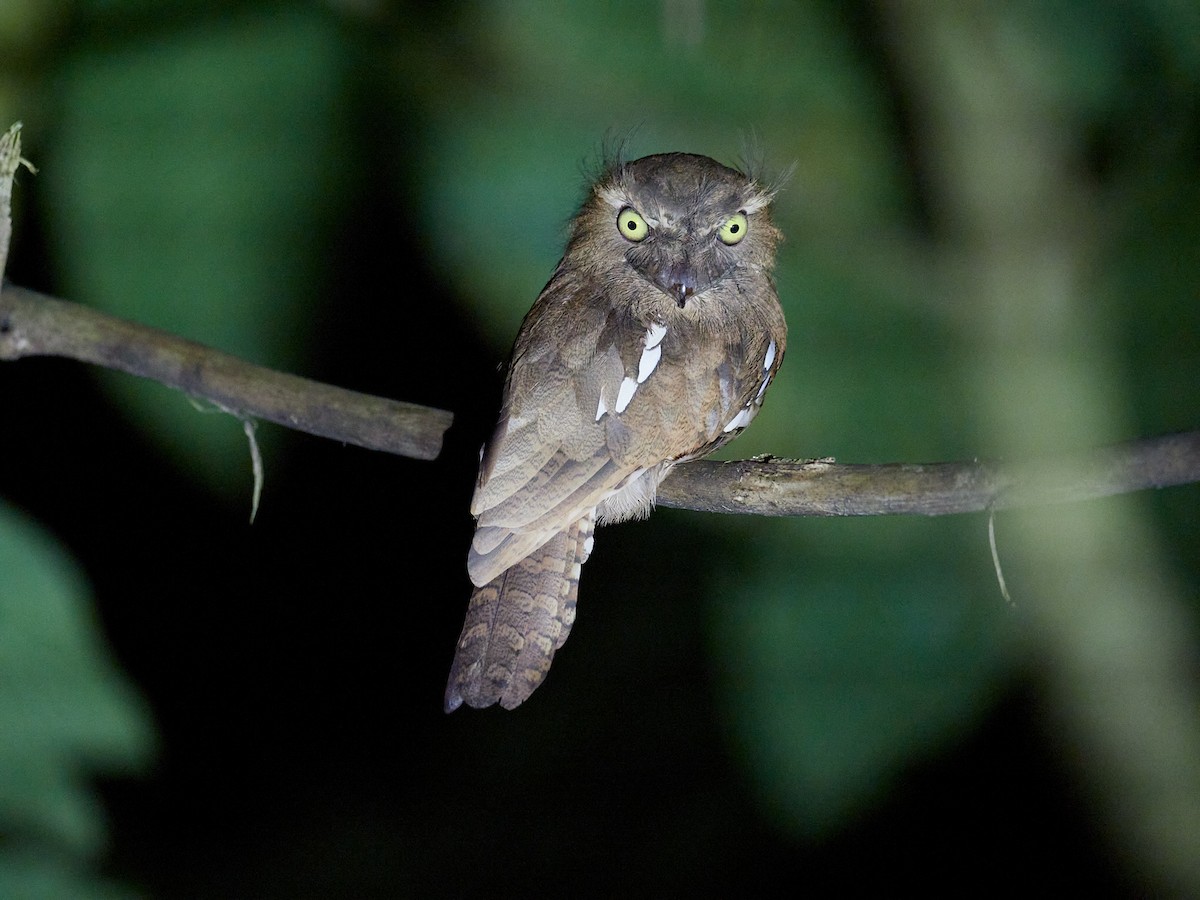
<point x="733" y="230"/>
<point x="631" y="225"/>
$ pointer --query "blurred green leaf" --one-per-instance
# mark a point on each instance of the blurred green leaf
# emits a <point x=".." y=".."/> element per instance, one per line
<point x="35" y="876"/>
<point x="65" y="711"/>
<point x="839" y="669"/>
<point x="191" y="185"/>
<point x="508" y="159"/>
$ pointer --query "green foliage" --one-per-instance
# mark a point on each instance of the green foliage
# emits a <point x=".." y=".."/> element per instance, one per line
<point x="505" y="162"/>
<point x="194" y="170"/>
<point x="64" y="712"/>
<point x="841" y="667"/>
<point x="192" y="183"/>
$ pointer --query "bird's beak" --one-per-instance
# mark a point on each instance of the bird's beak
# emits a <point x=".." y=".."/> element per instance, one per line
<point x="677" y="275"/>
<point x="678" y="280"/>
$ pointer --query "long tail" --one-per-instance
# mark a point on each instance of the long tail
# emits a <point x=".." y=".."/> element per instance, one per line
<point x="516" y="621"/>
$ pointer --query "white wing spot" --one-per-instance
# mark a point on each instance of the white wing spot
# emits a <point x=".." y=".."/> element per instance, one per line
<point x="770" y="357"/>
<point x="649" y="360"/>
<point x="741" y="420"/>
<point x="625" y="394"/>
<point x="601" y="409"/>
<point x="762" y="389"/>
<point x="588" y="545"/>
<point x="653" y="352"/>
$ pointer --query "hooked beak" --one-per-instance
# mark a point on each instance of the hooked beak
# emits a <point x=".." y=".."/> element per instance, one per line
<point x="678" y="281"/>
<point x="679" y="274"/>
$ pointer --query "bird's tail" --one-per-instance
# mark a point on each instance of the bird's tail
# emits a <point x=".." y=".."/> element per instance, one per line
<point x="517" y="621"/>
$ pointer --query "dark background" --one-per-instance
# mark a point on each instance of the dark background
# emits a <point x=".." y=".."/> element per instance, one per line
<point x="371" y="195"/>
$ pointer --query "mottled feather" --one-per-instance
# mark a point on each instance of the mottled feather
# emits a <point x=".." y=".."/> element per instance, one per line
<point x="638" y="354"/>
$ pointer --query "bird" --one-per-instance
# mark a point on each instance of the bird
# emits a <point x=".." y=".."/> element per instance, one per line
<point x="653" y="343"/>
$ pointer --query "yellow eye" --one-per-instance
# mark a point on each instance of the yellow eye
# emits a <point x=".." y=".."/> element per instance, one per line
<point x="631" y="225"/>
<point x="733" y="230"/>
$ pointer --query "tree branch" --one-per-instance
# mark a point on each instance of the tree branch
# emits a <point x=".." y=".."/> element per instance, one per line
<point x="32" y="324"/>
<point x="780" y="487"/>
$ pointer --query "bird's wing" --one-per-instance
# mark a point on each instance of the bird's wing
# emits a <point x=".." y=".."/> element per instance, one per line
<point x="547" y="464"/>
<point x="596" y="396"/>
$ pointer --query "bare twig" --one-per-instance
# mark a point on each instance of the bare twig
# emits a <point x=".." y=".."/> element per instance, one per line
<point x="32" y="324"/>
<point x="778" y="487"/>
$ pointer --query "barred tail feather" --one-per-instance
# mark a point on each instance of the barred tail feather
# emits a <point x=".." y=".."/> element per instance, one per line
<point x="517" y="621"/>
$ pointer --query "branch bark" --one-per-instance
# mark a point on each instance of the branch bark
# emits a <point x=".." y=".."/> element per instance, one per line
<point x="781" y="487"/>
<point x="33" y="324"/>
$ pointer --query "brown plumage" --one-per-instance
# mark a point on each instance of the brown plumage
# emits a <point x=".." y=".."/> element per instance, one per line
<point x="653" y="343"/>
